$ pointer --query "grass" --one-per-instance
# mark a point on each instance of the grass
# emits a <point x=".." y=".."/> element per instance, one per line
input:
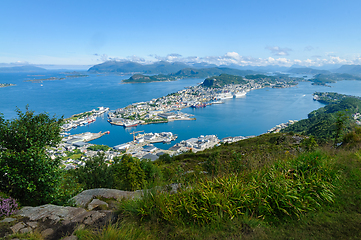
<point x="120" y="230"/>
<point x="268" y="187"/>
<point x="315" y="195"/>
<point x="340" y="220"/>
<point x="27" y="236"/>
<point x="286" y="189"/>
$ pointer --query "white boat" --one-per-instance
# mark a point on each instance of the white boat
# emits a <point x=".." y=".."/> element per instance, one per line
<point x="130" y="124"/>
<point x="224" y="95"/>
<point x="239" y="94"/>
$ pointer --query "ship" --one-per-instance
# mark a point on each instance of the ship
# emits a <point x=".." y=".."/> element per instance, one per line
<point x="199" y="105"/>
<point x="224" y="95"/>
<point x="130" y="124"/>
<point x="239" y="94"/>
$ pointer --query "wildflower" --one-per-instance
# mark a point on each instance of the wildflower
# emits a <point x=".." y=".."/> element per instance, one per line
<point x="8" y="206"/>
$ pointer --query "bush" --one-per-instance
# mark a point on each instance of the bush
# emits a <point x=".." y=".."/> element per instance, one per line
<point x="95" y="173"/>
<point x="129" y="174"/>
<point x="286" y="189"/>
<point x="27" y="173"/>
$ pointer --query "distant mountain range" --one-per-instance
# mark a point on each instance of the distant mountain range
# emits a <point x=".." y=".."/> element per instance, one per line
<point x="161" y="67"/>
<point x="164" y="67"/>
<point x="350" y="69"/>
<point x="307" y="71"/>
<point x="26" y="68"/>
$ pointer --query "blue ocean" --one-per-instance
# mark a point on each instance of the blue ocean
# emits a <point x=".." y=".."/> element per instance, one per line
<point x="253" y="114"/>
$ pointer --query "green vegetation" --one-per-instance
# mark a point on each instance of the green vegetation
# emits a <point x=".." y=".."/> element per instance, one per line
<point x="186" y="73"/>
<point x="323" y="79"/>
<point x="56" y="78"/>
<point x="97" y="147"/>
<point x="127" y="173"/>
<point x="274" y="186"/>
<point x="261" y="78"/>
<point x="284" y="189"/>
<point x="267" y="187"/>
<point x="330" y="97"/>
<point x="321" y="123"/>
<point x="221" y="80"/>
<point x="139" y="78"/>
<point x="26" y="171"/>
<point x="79" y="115"/>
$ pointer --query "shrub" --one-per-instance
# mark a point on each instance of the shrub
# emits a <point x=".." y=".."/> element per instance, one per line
<point x="27" y="173"/>
<point x="286" y="189"/>
<point x="128" y="173"/>
<point x="95" y="173"/>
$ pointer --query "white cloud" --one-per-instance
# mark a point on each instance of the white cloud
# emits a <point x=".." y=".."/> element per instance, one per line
<point x="229" y="58"/>
<point x="233" y="55"/>
<point x="277" y="51"/>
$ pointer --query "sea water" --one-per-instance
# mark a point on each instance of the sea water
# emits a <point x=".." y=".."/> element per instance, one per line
<point x="253" y="114"/>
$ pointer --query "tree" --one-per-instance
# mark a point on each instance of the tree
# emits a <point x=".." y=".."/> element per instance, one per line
<point x="27" y="173"/>
<point x="95" y="173"/>
<point x="341" y="118"/>
<point x="129" y="173"/>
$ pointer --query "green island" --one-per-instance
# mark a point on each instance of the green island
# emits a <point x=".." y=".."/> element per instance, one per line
<point x="323" y="79"/>
<point x="301" y="183"/>
<point x="56" y="78"/>
<point x="222" y="80"/>
<point x="276" y="81"/>
<point x="6" y="85"/>
<point x="330" y="97"/>
<point x="186" y="73"/>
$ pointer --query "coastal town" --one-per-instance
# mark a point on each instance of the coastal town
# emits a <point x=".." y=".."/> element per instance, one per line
<point x="75" y="150"/>
<point x="168" y="108"/>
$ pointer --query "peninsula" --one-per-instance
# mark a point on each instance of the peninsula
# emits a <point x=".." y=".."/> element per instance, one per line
<point x="213" y="90"/>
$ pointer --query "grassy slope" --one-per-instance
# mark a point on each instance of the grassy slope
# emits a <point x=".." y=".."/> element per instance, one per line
<point x="337" y="220"/>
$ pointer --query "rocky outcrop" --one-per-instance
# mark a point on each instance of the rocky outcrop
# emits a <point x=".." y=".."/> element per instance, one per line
<point x="83" y="198"/>
<point x="56" y="222"/>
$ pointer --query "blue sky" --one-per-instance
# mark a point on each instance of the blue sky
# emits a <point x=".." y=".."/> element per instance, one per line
<point x="258" y="32"/>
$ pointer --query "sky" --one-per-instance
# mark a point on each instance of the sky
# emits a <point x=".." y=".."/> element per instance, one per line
<point x="241" y="32"/>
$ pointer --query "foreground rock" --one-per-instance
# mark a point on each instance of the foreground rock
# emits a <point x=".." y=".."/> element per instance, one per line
<point x="55" y="222"/>
<point x="84" y="198"/>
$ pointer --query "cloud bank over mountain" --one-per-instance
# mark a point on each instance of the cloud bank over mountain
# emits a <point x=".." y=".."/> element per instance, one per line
<point x="233" y="58"/>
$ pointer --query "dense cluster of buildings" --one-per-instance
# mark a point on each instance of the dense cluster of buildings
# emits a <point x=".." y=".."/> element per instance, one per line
<point x="196" y="144"/>
<point x="167" y="108"/>
<point x="75" y="151"/>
